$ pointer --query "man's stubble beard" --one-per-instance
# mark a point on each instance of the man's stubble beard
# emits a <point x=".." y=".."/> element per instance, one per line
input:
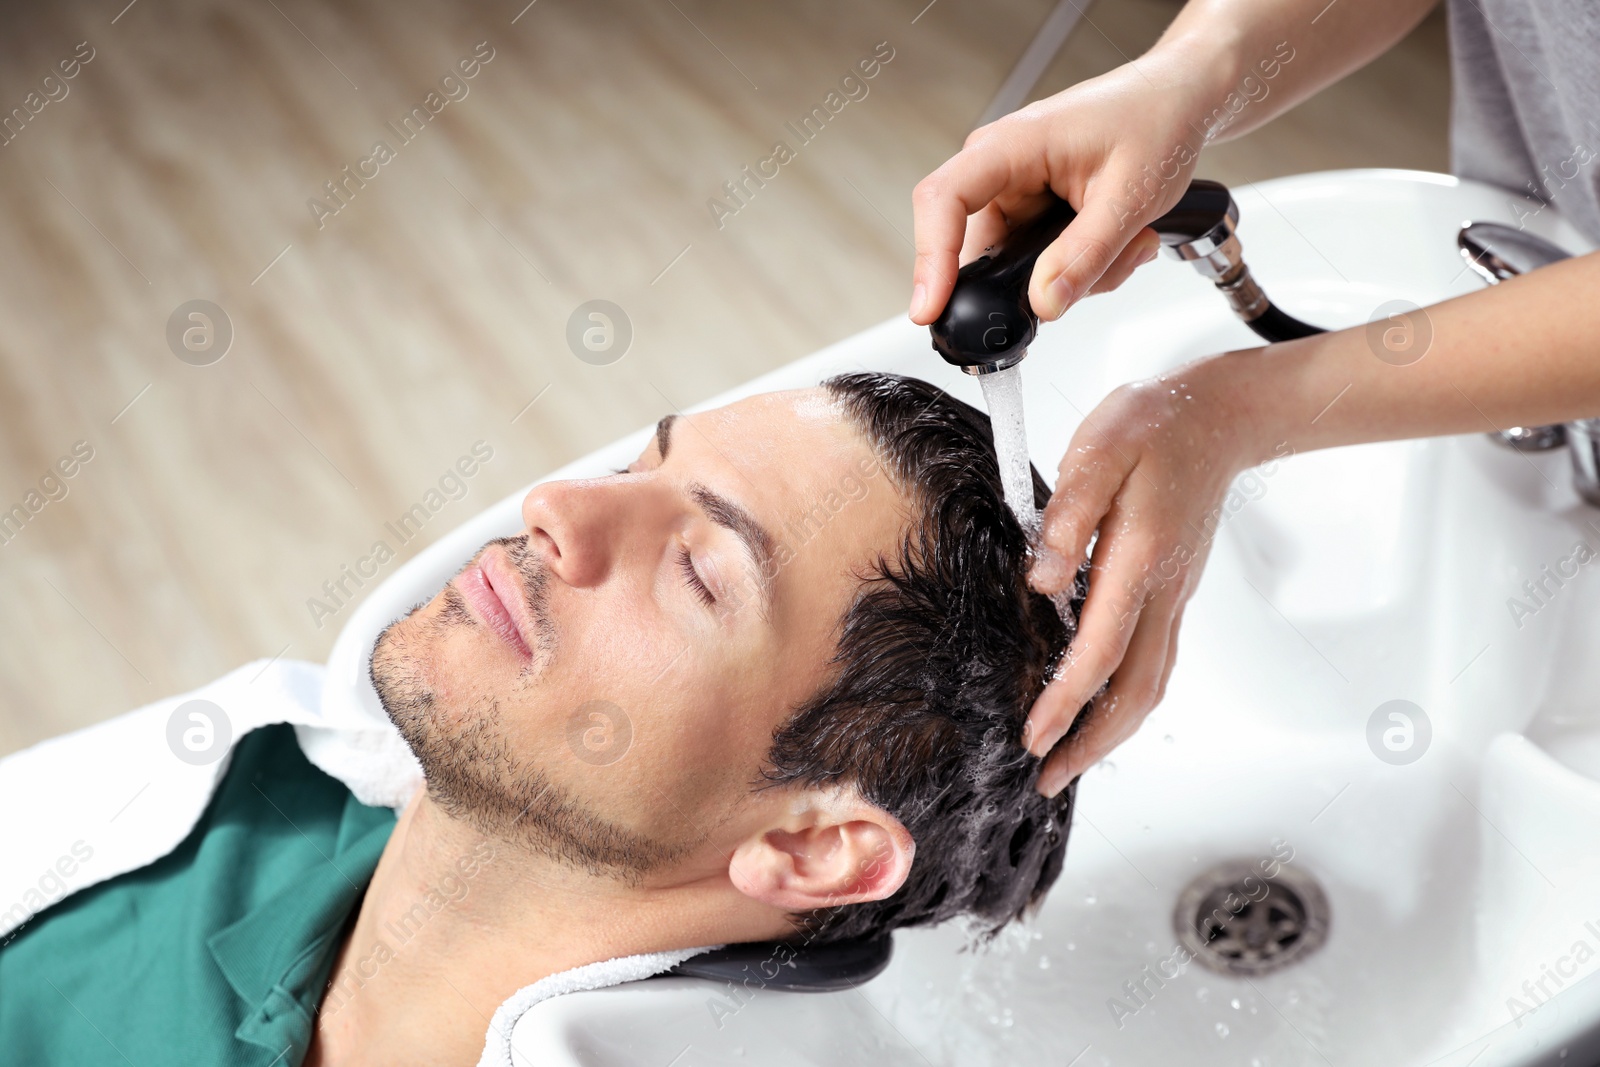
<point x="472" y="770"/>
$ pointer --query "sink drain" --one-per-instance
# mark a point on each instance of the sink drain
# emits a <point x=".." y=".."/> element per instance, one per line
<point x="1237" y="921"/>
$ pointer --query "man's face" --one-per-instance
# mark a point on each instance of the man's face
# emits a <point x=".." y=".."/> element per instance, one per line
<point x="605" y="686"/>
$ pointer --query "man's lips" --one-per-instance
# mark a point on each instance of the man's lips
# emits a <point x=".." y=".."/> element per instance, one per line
<point x="491" y="588"/>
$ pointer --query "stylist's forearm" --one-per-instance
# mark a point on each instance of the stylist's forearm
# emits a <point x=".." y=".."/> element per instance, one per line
<point x="1522" y="353"/>
<point x="1229" y="41"/>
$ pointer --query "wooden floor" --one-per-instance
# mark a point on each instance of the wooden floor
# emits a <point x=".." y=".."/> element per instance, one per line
<point x="374" y="346"/>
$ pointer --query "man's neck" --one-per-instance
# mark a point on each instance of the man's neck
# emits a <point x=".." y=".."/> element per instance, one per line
<point x="454" y="922"/>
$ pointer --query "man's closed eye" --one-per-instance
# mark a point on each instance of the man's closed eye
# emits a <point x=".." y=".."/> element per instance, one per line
<point x="692" y="578"/>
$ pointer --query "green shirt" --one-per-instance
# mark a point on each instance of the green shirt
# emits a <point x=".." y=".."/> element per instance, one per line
<point x="217" y="953"/>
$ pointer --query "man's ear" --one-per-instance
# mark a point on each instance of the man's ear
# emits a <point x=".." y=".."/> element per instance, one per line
<point x="830" y="847"/>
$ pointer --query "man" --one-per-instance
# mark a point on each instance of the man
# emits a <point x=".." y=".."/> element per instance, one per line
<point x="767" y="683"/>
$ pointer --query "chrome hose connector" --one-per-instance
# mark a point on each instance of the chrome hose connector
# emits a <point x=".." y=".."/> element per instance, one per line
<point x="1244" y="295"/>
<point x="1218" y="256"/>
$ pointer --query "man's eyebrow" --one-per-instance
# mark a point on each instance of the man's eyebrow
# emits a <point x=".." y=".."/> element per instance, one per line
<point x="757" y="541"/>
<point x="664" y="434"/>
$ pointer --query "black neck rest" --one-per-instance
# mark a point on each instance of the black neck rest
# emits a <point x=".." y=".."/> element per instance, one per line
<point x="791" y="966"/>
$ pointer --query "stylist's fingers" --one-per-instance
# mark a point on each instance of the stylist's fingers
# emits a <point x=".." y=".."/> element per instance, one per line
<point x="1089" y="478"/>
<point x="1108" y="622"/>
<point x="1086" y="249"/>
<point x="940" y="204"/>
<point x="1172" y="653"/>
<point x="1109" y="219"/>
<point x="1135" y="689"/>
<point x="985" y="228"/>
<point x="1139" y="251"/>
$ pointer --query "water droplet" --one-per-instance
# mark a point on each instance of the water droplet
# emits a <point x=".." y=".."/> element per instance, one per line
<point x="1234" y="1003"/>
<point x="1090" y="899"/>
<point x="1167" y="739"/>
<point x="1044" y="963"/>
<point x="1072" y="946"/>
<point x="1222" y="1029"/>
<point x="1200" y="994"/>
<point x="1107" y="767"/>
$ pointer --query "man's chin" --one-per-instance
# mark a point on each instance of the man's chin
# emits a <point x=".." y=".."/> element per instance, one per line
<point x="476" y="775"/>
<point x="400" y="676"/>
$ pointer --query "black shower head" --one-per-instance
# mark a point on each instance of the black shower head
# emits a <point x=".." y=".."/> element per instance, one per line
<point x="988" y="324"/>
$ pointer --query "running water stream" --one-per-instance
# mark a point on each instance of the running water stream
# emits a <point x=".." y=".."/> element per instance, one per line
<point x="1002" y="393"/>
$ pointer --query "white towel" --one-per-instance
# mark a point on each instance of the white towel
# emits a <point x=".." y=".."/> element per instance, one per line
<point x="497" y="1048"/>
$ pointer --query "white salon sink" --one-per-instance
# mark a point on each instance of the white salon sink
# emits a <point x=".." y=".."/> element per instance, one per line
<point x="1350" y="578"/>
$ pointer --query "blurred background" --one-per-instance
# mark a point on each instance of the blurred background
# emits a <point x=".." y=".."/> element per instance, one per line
<point x="423" y="308"/>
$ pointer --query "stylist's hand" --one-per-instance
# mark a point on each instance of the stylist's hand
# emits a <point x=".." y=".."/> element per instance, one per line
<point x="1148" y="469"/>
<point x="1119" y="148"/>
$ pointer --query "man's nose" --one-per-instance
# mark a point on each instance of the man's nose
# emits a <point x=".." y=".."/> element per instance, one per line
<point x="581" y="528"/>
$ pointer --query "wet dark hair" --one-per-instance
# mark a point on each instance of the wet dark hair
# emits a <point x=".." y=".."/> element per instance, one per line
<point x="939" y="659"/>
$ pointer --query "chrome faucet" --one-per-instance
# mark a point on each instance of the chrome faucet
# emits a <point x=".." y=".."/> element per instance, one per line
<point x="1495" y="252"/>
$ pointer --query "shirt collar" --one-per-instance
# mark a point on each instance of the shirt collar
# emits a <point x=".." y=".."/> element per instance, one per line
<point x="277" y="956"/>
